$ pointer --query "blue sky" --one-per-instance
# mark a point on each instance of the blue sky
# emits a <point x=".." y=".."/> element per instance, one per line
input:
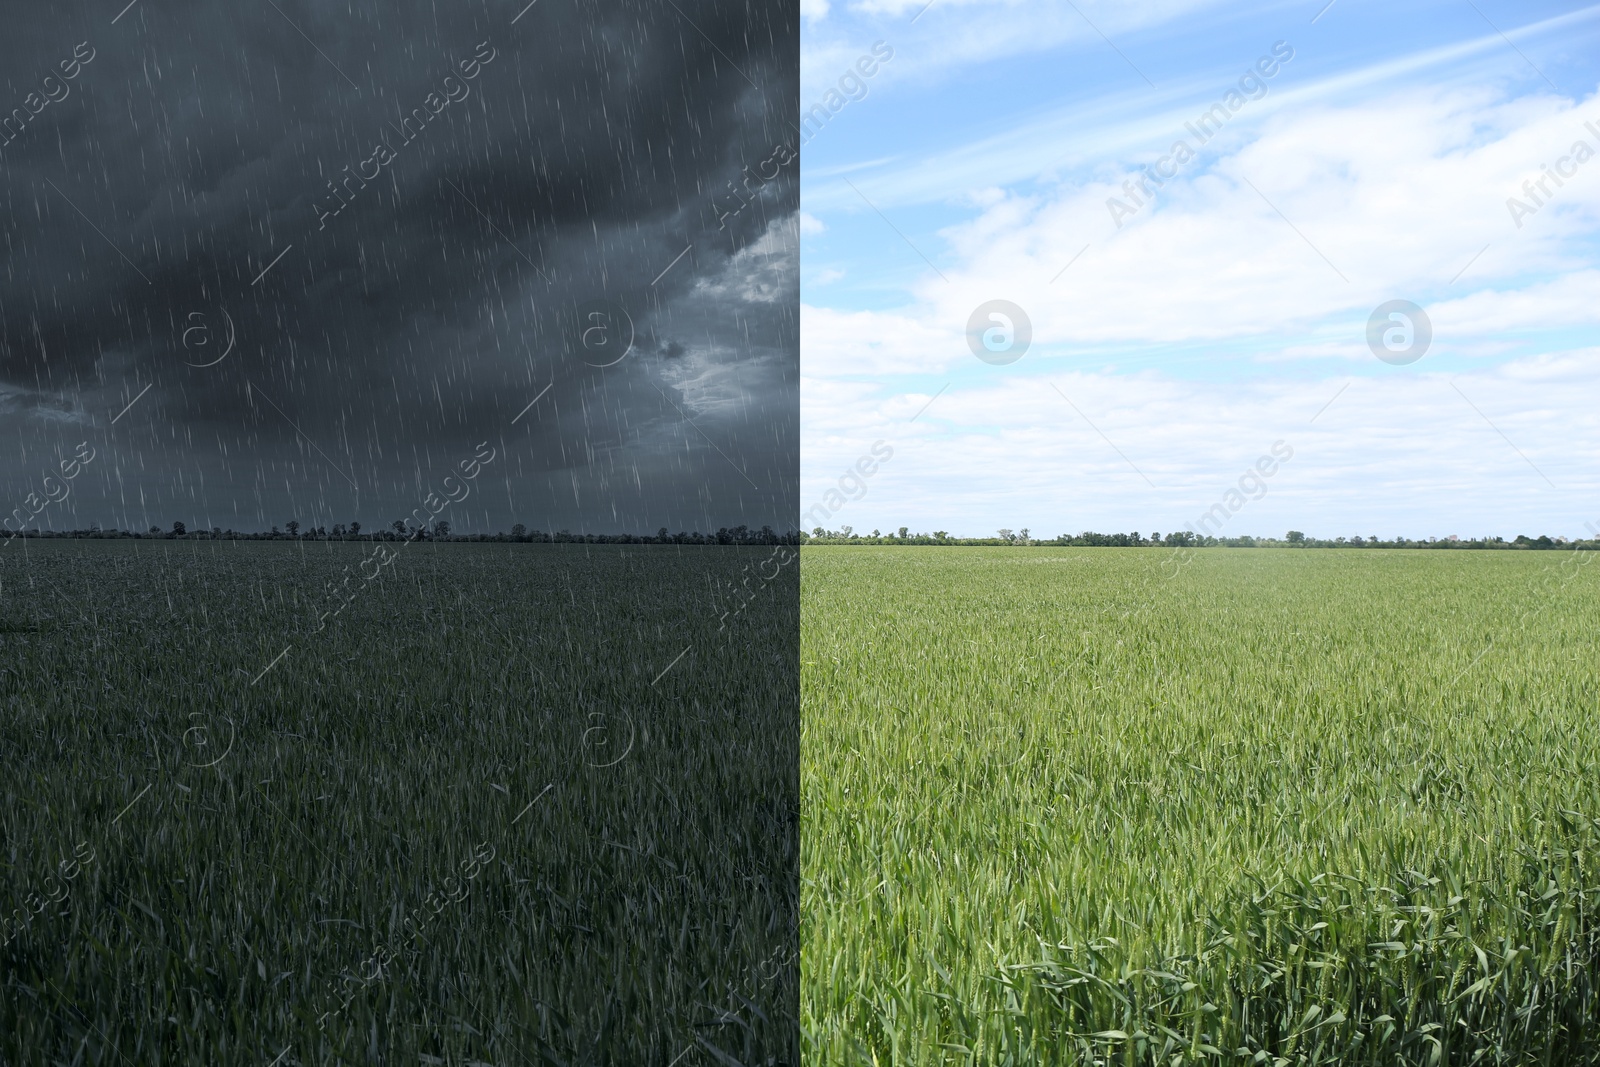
<point x="1229" y="310"/>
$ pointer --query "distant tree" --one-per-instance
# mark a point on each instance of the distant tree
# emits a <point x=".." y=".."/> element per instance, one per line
<point x="1296" y="537"/>
<point x="940" y="535"/>
<point x="216" y="533"/>
<point x="179" y="529"/>
<point x="355" y="529"/>
<point x="662" y="535"/>
<point x="519" y="531"/>
<point x="902" y="533"/>
<point x="441" y="529"/>
<point x="399" y="527"/>
<point x="847" y="532"/>
<point x="276" y="532"/>
<point x="155" y="529"/>
<point x="819" y="532"/>
<point x="293" y="526"/>
<point x="338" y="530"/>
<point x="875" y="533"/>
<point x="1005" y="534"/>
<point x="1022" y="535"/>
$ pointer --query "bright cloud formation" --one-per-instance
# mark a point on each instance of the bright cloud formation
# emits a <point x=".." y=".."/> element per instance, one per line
<point x="1225" y="307"/>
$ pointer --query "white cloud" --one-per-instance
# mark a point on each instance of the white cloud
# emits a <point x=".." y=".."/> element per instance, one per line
<point x="873" y="344"/>
<point x="1136" y="125"/>
<point x="847" y="168"/>
<point x="1013" y="452"/>
<point x="954" y="34"/>
<point x="763" y="272"/>
<point x="1268" y="251"/>
<point x="1361" y="223"/>
<point x="810" y="224"/>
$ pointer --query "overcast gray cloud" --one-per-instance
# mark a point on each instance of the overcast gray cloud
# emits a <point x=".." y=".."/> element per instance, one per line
<point x="324" y="250"/>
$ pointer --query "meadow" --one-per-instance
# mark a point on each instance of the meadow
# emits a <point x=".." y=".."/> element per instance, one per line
<point x="295" y="803"/>
<point x="1131" y="806"/>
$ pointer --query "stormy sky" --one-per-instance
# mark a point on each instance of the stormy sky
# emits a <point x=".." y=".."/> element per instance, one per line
<point x="293" y="259"/>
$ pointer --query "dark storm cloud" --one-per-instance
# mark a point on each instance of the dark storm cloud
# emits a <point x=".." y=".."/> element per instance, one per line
<point x="398" y="217"/>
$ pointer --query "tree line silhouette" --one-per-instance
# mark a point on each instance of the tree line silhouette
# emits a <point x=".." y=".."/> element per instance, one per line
<point x="399" y="530"/>
<point x="1188" y="539"/>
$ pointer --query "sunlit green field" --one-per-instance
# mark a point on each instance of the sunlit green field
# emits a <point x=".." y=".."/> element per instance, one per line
<point x="1250" y="806"/>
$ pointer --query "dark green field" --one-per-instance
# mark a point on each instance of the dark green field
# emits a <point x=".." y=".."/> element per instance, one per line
<point x="469" y="819"/>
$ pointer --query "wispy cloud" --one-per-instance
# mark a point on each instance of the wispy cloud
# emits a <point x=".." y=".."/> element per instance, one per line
<point x="1234" y="303"/>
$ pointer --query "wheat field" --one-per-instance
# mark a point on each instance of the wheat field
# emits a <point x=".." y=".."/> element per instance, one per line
<point x="1122" y="806"/>
<point x="509" y="804"/>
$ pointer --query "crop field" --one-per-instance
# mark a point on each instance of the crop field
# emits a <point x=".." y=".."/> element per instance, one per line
<point x="494" y="804"/>
<point x="1117" y="806"/>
